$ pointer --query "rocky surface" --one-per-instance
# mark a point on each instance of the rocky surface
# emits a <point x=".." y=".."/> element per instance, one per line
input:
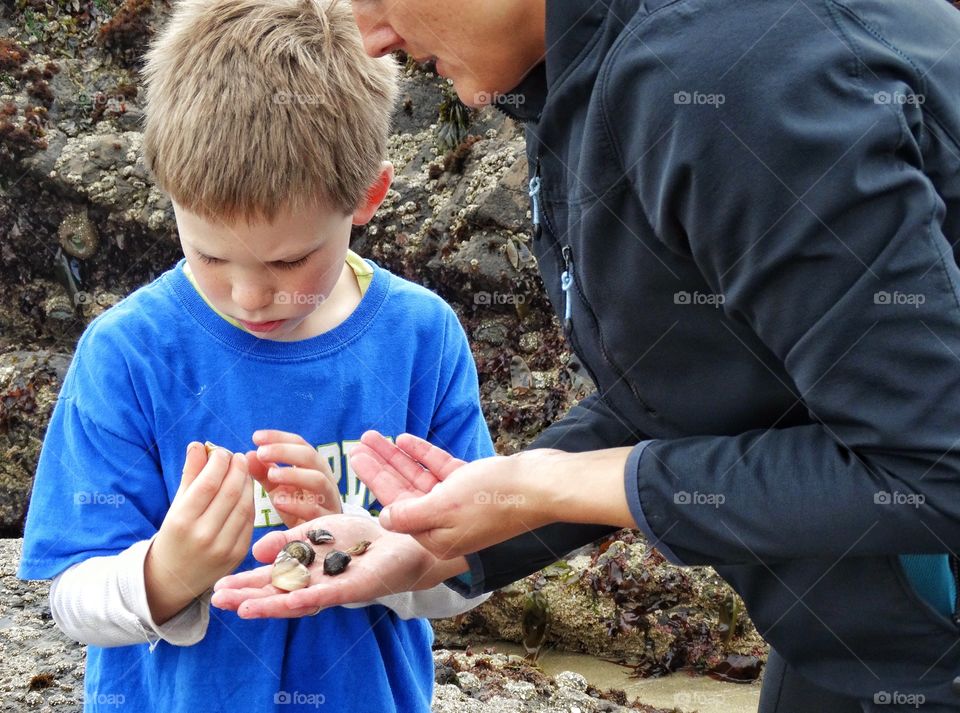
<point x="623" y="601"/>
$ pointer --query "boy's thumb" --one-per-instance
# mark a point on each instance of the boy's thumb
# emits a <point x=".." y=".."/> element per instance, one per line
<point x="193" y="463"/>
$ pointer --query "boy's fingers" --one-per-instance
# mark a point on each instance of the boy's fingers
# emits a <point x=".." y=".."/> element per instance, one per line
<point x="205" y="486"/>
<point x="433" y="458"/>
<point x="252" y="579"/>
<point x="266" y="435"/>
<point x="298" y="454"/>
<point x="195" y="459"/>
<point x="266" y="548"/>
<point x="233" y="489"/>
<point x="315" y="483"/>
<point x="257" y="468"/>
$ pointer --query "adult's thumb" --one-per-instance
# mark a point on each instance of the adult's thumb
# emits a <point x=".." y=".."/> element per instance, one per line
<point x="411" y="516"/>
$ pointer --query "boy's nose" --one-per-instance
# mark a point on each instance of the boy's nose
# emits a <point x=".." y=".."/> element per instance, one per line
<point x="252" y="299"/>
<point x="379" y="38"/>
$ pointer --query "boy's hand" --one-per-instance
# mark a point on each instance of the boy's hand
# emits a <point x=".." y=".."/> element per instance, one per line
<point x="303" y="491"/>
<point x="205" y="534"/>
<point x="393" y="563"/>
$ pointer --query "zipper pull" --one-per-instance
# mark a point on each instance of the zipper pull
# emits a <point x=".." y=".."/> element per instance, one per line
<point x="535" y="201"/>
<point x="566" y="283"/>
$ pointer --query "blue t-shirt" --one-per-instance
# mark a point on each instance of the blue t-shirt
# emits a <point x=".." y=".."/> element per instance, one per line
<point x="161" y="369"/>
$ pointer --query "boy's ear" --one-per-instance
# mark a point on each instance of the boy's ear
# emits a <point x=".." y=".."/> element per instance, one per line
<point x="375" y="195"/>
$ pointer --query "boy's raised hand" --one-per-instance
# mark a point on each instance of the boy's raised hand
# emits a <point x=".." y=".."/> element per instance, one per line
<point x="393" y="563"/>
<point x="303" y="490"/>
<point x="205" y="534"/>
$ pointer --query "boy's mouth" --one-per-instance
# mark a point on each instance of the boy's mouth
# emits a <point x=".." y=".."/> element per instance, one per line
<point x="261" y="327"/>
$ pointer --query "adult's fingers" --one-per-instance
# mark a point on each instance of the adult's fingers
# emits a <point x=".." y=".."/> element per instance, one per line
<point x="433" y="458"/>
<point x="393" y="457"/>
<point x="383" y="481"/>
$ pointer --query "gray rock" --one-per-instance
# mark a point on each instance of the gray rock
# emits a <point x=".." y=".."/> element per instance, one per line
<point x="29" y="384"/>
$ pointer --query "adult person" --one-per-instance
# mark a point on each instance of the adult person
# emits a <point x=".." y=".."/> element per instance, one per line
<point x="745" y="216"/>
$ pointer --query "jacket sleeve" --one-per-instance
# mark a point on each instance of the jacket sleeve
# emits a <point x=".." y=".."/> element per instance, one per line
<point x="589" y="425"/>
<point x="800" y="192"/>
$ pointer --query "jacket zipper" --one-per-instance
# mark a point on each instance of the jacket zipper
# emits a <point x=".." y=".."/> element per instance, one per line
<point x="535" y="201"/>
<point x="566" y="284"/>
<point x="955" y="569"/>
<point x="566" y="278"/>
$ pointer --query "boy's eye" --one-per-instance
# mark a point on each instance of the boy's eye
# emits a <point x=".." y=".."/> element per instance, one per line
<point x="291" y="265"/>
<point x="207" y="260"/>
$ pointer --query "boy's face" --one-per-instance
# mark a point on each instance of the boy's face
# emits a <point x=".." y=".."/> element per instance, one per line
<point x="485" y="46"/>
<point x="271" y="277"/>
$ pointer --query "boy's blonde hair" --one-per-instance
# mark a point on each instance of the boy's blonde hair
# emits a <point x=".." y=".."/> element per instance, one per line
<point x="258" y="106"/>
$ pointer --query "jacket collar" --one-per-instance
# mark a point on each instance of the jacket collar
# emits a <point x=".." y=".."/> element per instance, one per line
<point x="571" y="24"/>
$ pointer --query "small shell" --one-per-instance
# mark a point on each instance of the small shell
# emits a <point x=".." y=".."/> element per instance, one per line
<point x="513" y="255"/>
<point x="359" y="548"/>
<point x="300" y="551"/>
<point x="335" y="562"/>
<point x="320" y="537"/>
<point x="288" y="574"/>
<point x="59" y="307"/>
<point x="211" y="447"/>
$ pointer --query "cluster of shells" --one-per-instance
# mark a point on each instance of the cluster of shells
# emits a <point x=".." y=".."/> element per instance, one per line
<point x="290" y="568"/>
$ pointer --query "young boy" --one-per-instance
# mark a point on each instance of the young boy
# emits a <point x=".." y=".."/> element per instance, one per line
<point x="266" y="124"/>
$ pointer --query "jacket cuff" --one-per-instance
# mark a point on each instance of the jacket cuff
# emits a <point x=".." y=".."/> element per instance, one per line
<point x="470" y="583"/>
<point x="632" y="487"/>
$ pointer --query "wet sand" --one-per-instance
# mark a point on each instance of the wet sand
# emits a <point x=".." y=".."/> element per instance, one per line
<point x="680" y="690"/>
